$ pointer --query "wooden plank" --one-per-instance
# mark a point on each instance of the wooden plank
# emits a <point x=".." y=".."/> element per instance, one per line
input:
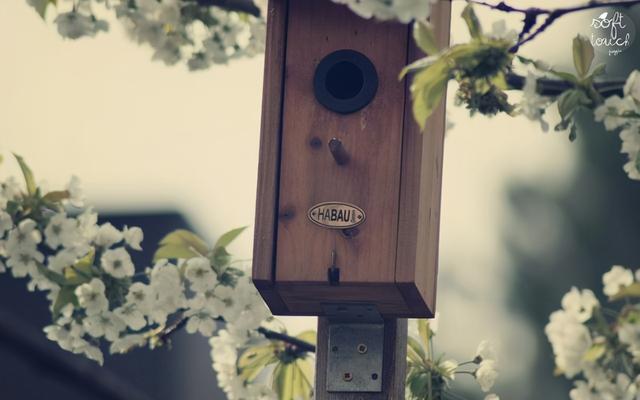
<point x="269" y="157"/>
<point x="393" y="373"/>
<point x="420" y="192"/>
<point x="372" y="137"/>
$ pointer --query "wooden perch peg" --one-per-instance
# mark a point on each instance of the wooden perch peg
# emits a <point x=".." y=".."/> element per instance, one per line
<point x="338" y="151"/>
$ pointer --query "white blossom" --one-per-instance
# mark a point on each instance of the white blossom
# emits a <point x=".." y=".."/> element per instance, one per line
<point x="133" y="237"/>
<point x="6" y="223"/>
<point x="612" y="111"/>
<point x="168" y="291"/>
<point x="23" y="237"/>
<point x="485" y="351"/>
<point x="200" y="274"/>
<point x="131" y="316"/>
<point x="76" y="195"/>
<point x="617" y="278"/>
<point x="570" y="339"/>
<point x="108" y="235"/>
<point x="141" y="296"/>
<point x="632" y="86"/>
<point x="582" y="391"/>
<point x="126" y="343"/>
<point x="486" y="374"/>
<point x="61" y="231"/>
<point x="117" y="263"/>
<point x="580" y="303"/>
<point x="629" y="334"/>
<point x="91" y="297"/>
<point x="533" y="105"/>
<point x="105" y="324"/>
<point x="201" y="321"/>
<point x="402" y="10"/>
<point x="88" y="224"/>
<point x="448" y="369"/>
<point x="73" y="25"/>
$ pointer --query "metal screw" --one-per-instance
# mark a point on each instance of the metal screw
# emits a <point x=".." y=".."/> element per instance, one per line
<point x="374" y="376"/>
<point x="334" y="348"/>
<point x="362" y="348"/>
<point x="347" y="377"/>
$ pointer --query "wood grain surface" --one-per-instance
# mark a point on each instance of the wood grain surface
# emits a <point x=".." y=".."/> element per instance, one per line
<point x="269" y="157"/>
<point x="372" y="137"/>
<point x="421" y="182"/>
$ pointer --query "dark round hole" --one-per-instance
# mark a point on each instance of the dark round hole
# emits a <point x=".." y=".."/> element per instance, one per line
<point x="374" y="376"/>
<point x="344" y="80"/>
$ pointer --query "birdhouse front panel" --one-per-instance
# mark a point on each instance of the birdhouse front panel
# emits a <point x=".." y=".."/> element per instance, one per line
<point x="329" y="220"/>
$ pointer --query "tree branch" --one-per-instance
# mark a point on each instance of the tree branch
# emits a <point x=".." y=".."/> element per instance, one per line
<point x="531" y="15"/>
<point x="301" y="345"/>
<point x="246" y="6"/>
<point x="555" y="87"/>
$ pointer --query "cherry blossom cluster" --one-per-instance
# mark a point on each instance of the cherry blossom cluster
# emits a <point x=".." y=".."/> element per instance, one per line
<point x="431" y="377"/>
<point x="623" y="113"/>
<point x="176" y="30"/>
<point x="98" y="299"/>
<point x="596" y="346"/>
<point x="402" y="10"/>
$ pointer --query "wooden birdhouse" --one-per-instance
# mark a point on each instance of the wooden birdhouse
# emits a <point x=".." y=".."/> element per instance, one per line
<point x="348" y="197"/>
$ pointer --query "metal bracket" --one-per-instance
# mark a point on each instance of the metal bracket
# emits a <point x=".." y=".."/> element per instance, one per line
<point x="355" y="356"/>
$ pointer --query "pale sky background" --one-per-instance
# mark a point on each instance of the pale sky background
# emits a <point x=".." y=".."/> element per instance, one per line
<point x="144" y="136"/>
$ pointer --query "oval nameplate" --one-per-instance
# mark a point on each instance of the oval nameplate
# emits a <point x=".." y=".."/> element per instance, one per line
<point x="336" y="215"/>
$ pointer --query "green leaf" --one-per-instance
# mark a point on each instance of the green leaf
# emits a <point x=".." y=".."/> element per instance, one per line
<point x="308" y="336"/>
<point x="81" y="271"/>
<point x="52" y="276"/>
<point x="220" y="259"/>
<point x="425" y="37"/>
<point x="598" y="70"/>
<point x="66" y="295"/>
<point x="424" y="331"/>
<point x="229" y="237"/>
<point x="41" y="6"/>
<point x="56" y="196"/>
<point x="595" y="352"/>
<point x="28" y="175"/>
<point x="181" y="244"/>
<point x="569" y="101"/>
<point x="582" y="55"/>
<point x="427" y="88"/>
<point x="254" y="360"/>
<point x="632" y="290"/>
<point x="565" y="76"/>
<point x="473" y="24"/>
<point x="282" y="382"/>
<point x="415" y="351"/>
<point x="417" y="65"/>
<point x="291" y="382"/>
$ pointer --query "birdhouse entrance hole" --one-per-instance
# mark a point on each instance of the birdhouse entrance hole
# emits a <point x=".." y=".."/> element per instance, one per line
<point x="345" y="81"/>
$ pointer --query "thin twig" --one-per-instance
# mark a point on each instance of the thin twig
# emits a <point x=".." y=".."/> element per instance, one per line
<point x="245" y="6"/>
<point x="181" y="322"/>
<point x="531" y="15"/>
<point x="300" y="344"/>
<point x="555" y="87"/>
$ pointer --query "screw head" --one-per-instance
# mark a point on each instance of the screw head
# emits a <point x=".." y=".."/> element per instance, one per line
<point x="347" y="377"/>
<point x="362" y="348"/>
